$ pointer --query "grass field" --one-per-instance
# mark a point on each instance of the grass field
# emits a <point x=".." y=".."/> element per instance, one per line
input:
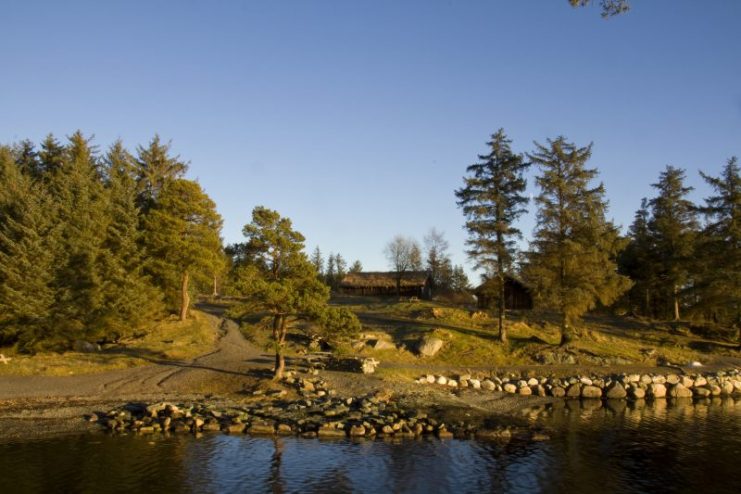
<point x="165" y="340"/>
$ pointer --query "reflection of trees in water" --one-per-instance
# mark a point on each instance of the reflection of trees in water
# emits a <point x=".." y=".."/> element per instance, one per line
<point x="93" y="463"/>
<point x="643" y="445"/>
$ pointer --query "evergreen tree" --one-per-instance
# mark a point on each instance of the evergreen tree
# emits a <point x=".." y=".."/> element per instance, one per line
<point x="357" y="267"/>
<point x="638" y="261"/>
<point x="130" y="297"/>
<point x="318" y="261"/>
<point x="331" y="273"/>
<point x="720" y="246"/>
<point x="50" y="157"/>
<point x="459" y="280"/>
<point x="572" y="264"/>
<point x="26" y="260"/>
<point x="81" y="205"/>
<point x="27" y="159"/>
<point x="341" y="268"/>
<point x="282" y="281"/>
<point x="492" y="200"/>
<point x="673" y="228"/>
<point x="182" y="240"/>
<point x="155" y="168"/>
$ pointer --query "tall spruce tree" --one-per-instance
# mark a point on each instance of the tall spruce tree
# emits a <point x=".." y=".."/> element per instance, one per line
<point x="720" y="247"/>
<point x="82" y="205"/>
<point x="492" y="199"/>
<point x="182" y="241"/>
<point x="130" y="297"/>
<point x="155" y="168"/>
<point x="26" y="259"/>
<point x="318" y="261"/>
<point x="572" y="261"/>
<point x="673" y="227"/>
<point x="281" y="280"/>
<point x="638" y="262"/>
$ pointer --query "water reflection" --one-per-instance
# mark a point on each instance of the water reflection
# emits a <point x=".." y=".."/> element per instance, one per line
<point x="600" y="447"/>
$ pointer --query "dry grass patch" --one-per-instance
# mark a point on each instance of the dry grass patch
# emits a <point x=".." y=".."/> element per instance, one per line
<point x="166" y="340"/>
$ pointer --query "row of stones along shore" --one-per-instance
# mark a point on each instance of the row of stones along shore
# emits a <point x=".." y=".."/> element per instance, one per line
<point x="622" y="386"/>
<point x="320" y="412"/>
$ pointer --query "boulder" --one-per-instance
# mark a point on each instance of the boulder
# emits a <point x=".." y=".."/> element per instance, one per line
<point x="510" y="388"/>
<point x="442" y="380"/>
<point x="573" y="391"/>
<point x="558" y="392"/>
<point x="616" y="391"/>
<point x="488" y="385"/>
<point x="475" y="383"/>
<point x="383" y="345"/>
<point x="657" y="390"/>
<point x="680" y="391"/>
<point x="591" y="392"/>
<point x="702" y="392"/>
<point x="429" y="346"/>
<point x="637" y="393"/>
<point x="525" y="391"/>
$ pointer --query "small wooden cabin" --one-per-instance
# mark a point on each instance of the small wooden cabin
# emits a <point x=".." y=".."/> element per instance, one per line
<point x="516" y="295"/>
<point x="413" y="284"/>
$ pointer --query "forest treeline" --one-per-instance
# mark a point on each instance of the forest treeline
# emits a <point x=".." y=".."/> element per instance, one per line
<point x="680" y="260"/>
<point x="95" y="244"/>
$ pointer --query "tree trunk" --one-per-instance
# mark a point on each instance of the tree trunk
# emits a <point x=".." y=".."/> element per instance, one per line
<point x="279" y="336"/>
<point x="184" y="297"/>
<point x="565" y="332"/>
<point x="215" y="292"/>
<point x="676" y="303"/>
<point x="502" y="307"/>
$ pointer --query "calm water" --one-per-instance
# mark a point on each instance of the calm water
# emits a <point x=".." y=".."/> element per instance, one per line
<point x="595" y="448"/>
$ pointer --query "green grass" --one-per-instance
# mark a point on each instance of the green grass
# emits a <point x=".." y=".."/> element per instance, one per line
<point x="471" y="337"/>
<point x="165" y="340"/>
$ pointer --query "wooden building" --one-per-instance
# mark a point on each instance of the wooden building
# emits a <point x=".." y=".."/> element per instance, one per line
<point x="516" y="295"/>
<point x="413" y="284"/>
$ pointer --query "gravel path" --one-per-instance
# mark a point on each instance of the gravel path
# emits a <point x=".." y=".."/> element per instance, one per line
<point x="229" y="362"/>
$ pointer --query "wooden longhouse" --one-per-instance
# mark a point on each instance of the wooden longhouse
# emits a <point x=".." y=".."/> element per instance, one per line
<point x="413" y="284"/>
<point x="516" y="295"/>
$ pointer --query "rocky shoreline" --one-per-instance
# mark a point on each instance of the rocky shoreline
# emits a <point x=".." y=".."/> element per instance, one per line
<point x="319" y="413"/>
<point x="614" y="386"/>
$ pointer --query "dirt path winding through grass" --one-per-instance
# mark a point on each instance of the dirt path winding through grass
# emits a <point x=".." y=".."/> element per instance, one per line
<point x="224" y="368"/>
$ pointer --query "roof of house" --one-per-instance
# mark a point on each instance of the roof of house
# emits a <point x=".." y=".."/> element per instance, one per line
<point x="507" y="280"/>
<point x="386" y="279"/>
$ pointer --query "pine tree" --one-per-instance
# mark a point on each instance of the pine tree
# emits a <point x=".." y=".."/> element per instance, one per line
<point x="130" y="297"/>
<point x="459" y="280"/>
<point x="318" y="261"/>
<point x="27" y="159"/>
<point x="492" y="200"/>
<point x="572" y="263"/>
<point x="155" y="168"/>
<point x="26" y="260"/>
<point x="357" y="267"/>
<point x="50" y="157"/>
<point x="81" y="206"/>
<point x="720" y="246"/>
<point x="331" y="272"/>
<point x="673" y="228"/>
<point x="182" y="240"/>
<point x="281" y="281"/>
<point x="341" y="268"/>
<point x="638" y="261"/>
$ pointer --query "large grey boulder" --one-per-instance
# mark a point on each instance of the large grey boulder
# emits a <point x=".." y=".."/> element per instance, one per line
<point x="429" y="346"/>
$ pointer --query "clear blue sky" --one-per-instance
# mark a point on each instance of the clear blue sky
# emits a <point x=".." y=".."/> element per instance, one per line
<point x="357" y="118"/>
